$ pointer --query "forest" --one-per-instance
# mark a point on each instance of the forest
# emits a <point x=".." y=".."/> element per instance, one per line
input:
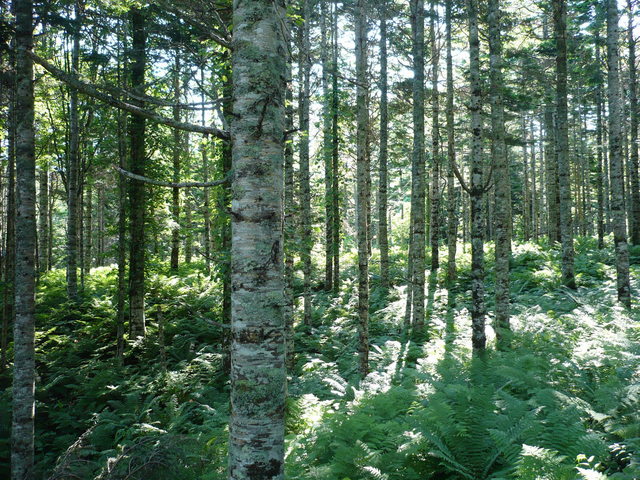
<point x="319" y="240"/>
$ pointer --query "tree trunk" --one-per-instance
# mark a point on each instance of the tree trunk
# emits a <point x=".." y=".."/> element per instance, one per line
<point x="177" y="151"/>
<point x="599" y="145"/>
<point x="73" y="167"/>
<point x="22" y="428"/>
<point x="478" y="335"/>
<point x="418" y="182"/>
<point x="502" y="214"/>
<point x="383" y="201"/>
<point x="634" y="214"/>
<point x="137" y="197"/>
<point x="43" y="217"/>
<point x="188" y="220"/>
<point x="615" y="156"/>
<point x="435" y="143"/>
<point x="289" y="227"/>
<point x="204" y="145"/>
<point x="335" y="154"/>
<point x="258" y="378"/>
<point x="88" y="230"/>
<point x="362" y="117"/>
<point x="452" y="220"/>
<point x="8" y="294"/>
<point x="562" y="143"/>
<point x="326" y="149"/>
<point x="305" y="186"/>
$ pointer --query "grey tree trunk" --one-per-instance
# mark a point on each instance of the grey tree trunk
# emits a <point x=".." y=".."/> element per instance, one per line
<point x="383" y="201"/>
<point x="305" y="186"/>
<point x="137" y="197"/>
<point x="634" y="213"/>
<point x="478" y="335"/>
<point x="258" y="377"/>
<point x="362" y="118"/>
<point x="452" y="220"/>
<point x="326" y="148"/>
<point x="177" y="151"/>
<point x="599" y="144"/>
<point x="562" y="144"/>
<point x="23" y="403"/>
<point x="551" y="164"/>
<point x="73" y="168"/>
<point x="188" y="221"/>
<point x="502" y="213"/>
<point x="43" y="218"/>
<point x="435" y="143"/>
<point x="289" y="226"/>
<point x="335" y="154"/>
<point x="206" y="212"/>
<point x="418" y="181"/>
<point x="615" y="157"/>
<point x="8" y="293"/>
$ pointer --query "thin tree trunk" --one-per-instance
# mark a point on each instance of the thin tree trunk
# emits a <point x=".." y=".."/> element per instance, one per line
<point x="562" y="143"/>
<point x="326" y="149"/>
<point x="23" y="402"/>
<point x="8" y="294"/>
<point x="383" y="201"/>
<point x="526" y="192"/>
<point x="615" y="156"/>
<point x="362" y="117"/>
<point x="634" y="214"/>
<point x="137" y="196"/>
<point x="177" y="151"/>
<point x="478" y="335"/>
<point x="502" y="214"/>
<point x="599" y="145"/>
<point x="435" y="143"/>
<point x="204" y="145"/>
<point x="452" y="220"/>
<point x="289" y="226"/>
<point x="43" y="217"/>
<point x="335" y="154"/>
<point x="73" y="168"/>
<point x="188" y="220"/>
<point x="305" y="186"/>
<point x="258" y="377"/>
<point x="88" y="230"/>
<point x="418" y="180"/>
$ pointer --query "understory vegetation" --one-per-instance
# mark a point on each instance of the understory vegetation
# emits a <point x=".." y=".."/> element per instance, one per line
<point x="562" y="403"/>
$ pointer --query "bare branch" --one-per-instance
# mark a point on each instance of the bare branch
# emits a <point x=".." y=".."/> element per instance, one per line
<point x="160" y="183"/>
<point x="90" y="90"/>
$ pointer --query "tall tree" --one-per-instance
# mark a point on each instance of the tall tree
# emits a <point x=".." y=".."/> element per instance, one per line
<point x="615" y="156"/>
<point x="383" y="201"/>
<point x="435" y="141"/>
<point x="362" y="119"/>
<point x="634" y="211"/>
<point x="502" y="213"/>
<point x="73" y="168"/>
<point x="476" y="189"/>
<point x="452" y="220"/>
<point x="137" y="162"/>
<point x="258" y="378"/>
<point x="176" y="153"/>
<point x="22" y="428"/>
<point x="305" y="180"/>
<point x="335" y="153"/>
<point x="562" y="143"/>
<point x="418" y="172"/>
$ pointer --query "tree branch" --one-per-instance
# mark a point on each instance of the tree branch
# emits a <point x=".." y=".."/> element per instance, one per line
<point x="160" y="183"/>
<point x="91" y="91"/>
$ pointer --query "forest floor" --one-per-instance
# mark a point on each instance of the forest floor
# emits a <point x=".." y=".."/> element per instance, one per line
<point x="562" y="403"/>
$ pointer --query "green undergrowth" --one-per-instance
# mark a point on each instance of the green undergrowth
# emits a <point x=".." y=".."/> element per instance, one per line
<point x="562" y="403"/>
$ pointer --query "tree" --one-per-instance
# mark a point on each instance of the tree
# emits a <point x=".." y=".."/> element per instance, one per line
<point x="634" y="211"/>
<point x="477" y="187"/>
<point x="256" y="441"/>
<point x="362" y="118"/>
<point x="418" y="172"/>
<point x="383" y="203"/>
<point x="502" y="214"/>
<point x="22" y="428"/>
<point x="615" y="157"/>
<point x="562" y="144"/>
<point x="452" y="220"/>
<point x="137" y="188"/>
<point x="435" y="142"/>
